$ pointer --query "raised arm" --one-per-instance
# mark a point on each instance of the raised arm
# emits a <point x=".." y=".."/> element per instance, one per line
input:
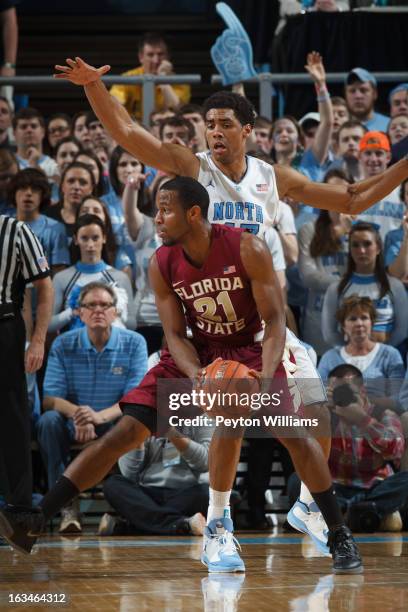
<point x="172" y="159"/>
<point x="174" y="324"/>
<point x="323" y="134"/>
<point x="267" y="293"/>
<point x="345" y="199"/>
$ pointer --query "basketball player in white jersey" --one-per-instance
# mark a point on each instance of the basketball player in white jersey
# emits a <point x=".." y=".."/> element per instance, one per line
<point x="244" y="192"/>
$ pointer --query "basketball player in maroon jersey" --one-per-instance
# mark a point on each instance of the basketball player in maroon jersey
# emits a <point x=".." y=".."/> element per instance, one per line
<point x="224" y="324"/>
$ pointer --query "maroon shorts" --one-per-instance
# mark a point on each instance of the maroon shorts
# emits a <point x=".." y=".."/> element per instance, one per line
<point x="145" y="394"/>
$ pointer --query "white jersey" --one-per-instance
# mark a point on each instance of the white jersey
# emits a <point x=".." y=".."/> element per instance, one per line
<point x="252" y="203"/>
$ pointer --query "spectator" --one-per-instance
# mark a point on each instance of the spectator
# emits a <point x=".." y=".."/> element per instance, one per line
<point x="77" y="181"/>
<point x="154" y="59"/>
<point x="366" y="276"/>
<point x="65" y="152"/>
<point x="363" y="446"/>
<point x="194" y="114"/>
<point x="292" y="7"/>
<point x="398" y="128"/>
<point x="8" y="169"/>
<point x="121" y="168"/>
<point x="177" y="130"/>
<point x="29" y="192"/>
<point x="90" y="159"/>
<point x="374" y="159"/>
<point x="160" y="489"/>
<point x="88" y="371"/>
<point x="156" y="117"/>
<point x="6" y="116"/>
<point x="349" y="136"/>
<point x="340" y="116"/>
<point x="142" y="232"/>
<point x="29" y="133"/>
<point x="80" y="130"/>
<point x="381" y="365"/>
<point x="263" y="137"/>
<point x="89" y="265"/>
<point x="99" y="136"/>
<point x="361" y="95"/>
<point x="398" y="100"/>
<point x="287" y="142"/>
<point x="58" y="127"/>
<point x="115" y="256"/>
<point x="323" y="246"/>
<point x="396" y="243"/>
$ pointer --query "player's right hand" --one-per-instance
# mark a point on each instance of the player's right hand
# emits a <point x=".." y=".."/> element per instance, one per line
<point x="79" y="72"/>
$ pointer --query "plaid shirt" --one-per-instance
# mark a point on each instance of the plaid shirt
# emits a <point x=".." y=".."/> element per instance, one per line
<point x="359" y="453"/>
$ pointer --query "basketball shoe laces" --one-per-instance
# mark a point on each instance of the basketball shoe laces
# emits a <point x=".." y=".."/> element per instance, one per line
<point x="342" y="544"/>
<point x="227" y="542"/>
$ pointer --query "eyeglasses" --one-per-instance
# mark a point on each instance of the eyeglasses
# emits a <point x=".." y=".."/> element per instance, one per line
<point x="95" y="305"/>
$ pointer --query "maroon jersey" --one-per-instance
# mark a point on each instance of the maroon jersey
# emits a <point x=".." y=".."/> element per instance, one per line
<point x="217" y="298"/>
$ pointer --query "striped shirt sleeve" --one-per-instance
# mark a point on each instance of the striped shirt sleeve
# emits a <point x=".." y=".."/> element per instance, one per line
<point x="34" y="262"/>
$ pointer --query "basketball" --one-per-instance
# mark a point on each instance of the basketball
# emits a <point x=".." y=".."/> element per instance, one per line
<point x="231" y="384"/>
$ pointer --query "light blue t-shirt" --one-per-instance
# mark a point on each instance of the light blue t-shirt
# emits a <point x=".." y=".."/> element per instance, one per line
<point x="79" y="373"/>
<point x="378" y="123"/>
<point x="53" y="238"/>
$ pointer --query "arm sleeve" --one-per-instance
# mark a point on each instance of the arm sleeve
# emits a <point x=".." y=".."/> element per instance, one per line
<point x="55" y="381"/>
<point x="330" y="332"/>
<point x="138" y="362"/>
<point x="314" y="277"/>
<point x="34" y="262"/>
<point x="60" y="318"/>
<point x="400" y="300"/>
<point x="196" y="454"/>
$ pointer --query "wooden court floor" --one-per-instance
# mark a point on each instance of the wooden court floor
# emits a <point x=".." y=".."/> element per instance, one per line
<point x="164" y="574"/>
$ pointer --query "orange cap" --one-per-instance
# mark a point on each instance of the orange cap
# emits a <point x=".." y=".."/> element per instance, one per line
<point x="375" y="140"/>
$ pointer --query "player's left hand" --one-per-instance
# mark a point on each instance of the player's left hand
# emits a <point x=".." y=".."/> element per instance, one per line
<point x="34" y="356"/>
<point x="315" y="67"/>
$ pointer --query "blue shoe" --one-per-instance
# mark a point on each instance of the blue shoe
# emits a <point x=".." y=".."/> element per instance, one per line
<point x="308" y="519"/>
<point x="220" y="547"/>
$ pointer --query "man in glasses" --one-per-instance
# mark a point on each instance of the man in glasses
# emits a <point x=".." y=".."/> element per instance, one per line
<point x="88" y="371"/>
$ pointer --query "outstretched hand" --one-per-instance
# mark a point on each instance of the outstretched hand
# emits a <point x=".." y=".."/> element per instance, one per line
<point x="79" y="72"/>
<point x="315" y="67"/>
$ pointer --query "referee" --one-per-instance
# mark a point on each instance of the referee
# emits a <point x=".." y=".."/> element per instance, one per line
<point x="22" y="261"/>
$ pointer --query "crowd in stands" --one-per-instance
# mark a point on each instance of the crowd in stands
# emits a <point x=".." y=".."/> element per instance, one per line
<point x="345" y="280"/>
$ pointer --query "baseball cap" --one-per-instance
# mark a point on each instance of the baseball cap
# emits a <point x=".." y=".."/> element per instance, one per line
<point x="363" y="75"/>
<point x="398" y="88"/>
<point x="375" y="140"/>
<point x="315" y="117"/>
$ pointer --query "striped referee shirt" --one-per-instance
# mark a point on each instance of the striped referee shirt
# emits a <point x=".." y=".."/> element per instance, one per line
<point x="22" y="260"/>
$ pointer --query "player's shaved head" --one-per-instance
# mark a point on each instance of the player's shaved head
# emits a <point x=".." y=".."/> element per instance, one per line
<point x="190" y="193"/>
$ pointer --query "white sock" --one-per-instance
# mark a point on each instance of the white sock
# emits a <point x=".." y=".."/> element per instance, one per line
<point x="219" y="506"/>
<point x="305" y="495"/>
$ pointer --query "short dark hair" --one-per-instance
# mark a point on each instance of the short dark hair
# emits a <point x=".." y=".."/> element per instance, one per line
<point x="338" y="173"/>
<point x="63" y="141"/>
<point x="243" y="108"/>
<point x="28" y="113"/>
<point x="190" y="192"/>
<point x="351" y="123"/>
<point x="30" y="177"/>
<point x="191" y="108"/>
<point x="345" y="369"/>
<point x="152" y="38"/>
<point x="177" y="121"/>
<point x="63" y="116"/>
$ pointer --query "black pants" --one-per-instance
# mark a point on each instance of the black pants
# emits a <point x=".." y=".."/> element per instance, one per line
<point x="15" y="434"/>
<point x="261" y="454"/>
<point x="154" y="510"/>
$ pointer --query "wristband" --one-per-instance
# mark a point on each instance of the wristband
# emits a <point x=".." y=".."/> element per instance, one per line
<point x="9" y="65"/>
<point x="323" y="98"/>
